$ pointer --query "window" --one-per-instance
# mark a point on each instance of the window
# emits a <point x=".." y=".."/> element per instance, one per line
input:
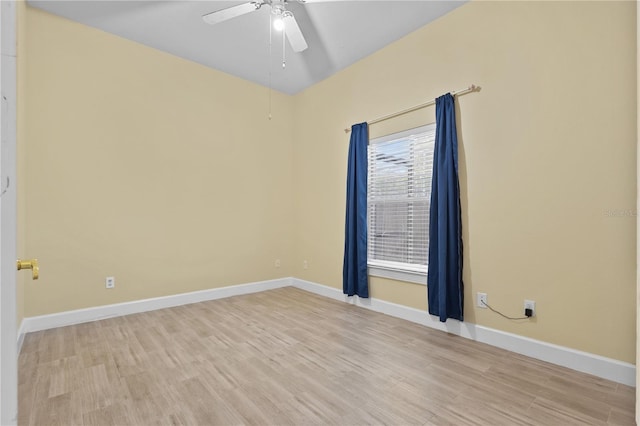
<point x="398" y="198"/>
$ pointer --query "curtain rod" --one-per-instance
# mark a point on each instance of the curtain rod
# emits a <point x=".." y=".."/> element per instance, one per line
<point x="472" y="88"/>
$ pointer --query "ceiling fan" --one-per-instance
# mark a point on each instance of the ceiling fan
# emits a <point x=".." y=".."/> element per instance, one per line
<point x="284" y="19"/>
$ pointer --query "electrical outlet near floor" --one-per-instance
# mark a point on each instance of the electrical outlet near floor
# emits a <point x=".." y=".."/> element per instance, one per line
<point x="110" y="282"/>
<point x="277" y="263"/>
<point x="482" y="300"/>
<point x="530" y="304"/>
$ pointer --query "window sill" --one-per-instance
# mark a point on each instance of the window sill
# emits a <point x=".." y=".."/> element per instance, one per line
<point x="395" y="274"/>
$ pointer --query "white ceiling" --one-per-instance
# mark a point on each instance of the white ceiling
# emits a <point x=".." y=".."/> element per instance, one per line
<point x="338" y="33"/>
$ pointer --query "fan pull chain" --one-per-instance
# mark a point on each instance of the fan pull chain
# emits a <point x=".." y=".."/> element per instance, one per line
<point x="284" y="50"/>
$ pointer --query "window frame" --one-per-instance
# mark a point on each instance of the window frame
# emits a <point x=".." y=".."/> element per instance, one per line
<point x="389" y="269"/>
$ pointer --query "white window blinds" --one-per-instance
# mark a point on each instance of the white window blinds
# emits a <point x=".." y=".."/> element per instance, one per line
<point x="399" y="193"/>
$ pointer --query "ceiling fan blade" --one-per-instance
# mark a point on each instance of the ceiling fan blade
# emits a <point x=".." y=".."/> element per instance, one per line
<point x="292" y="30"/>
<point x="230" y="12"/>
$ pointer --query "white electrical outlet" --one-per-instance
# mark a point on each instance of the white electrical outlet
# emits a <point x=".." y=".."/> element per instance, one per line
<point x="482" y="300"/>
<point x="530" y="304"/>
<point x="305" y="264"/>
<point x="277" y="263"/>
<point x="110" y="282"/>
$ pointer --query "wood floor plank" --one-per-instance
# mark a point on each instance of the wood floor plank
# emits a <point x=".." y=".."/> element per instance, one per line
<point x="288" y="357"/>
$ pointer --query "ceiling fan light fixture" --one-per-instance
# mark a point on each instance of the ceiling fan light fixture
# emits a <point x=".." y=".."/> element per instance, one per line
<point x="279" y="12"/>
<point x="278" y="24"/>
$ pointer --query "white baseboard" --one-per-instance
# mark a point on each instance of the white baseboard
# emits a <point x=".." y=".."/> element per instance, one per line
<point x="585" y="362"/>
<point x="62" y="319"/>
<point x="600" y="366"/>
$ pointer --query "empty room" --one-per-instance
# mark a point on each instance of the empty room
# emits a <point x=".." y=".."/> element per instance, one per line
<point x="325" y="212"/>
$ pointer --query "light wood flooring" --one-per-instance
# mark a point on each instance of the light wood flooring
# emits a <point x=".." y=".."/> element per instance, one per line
<point x="288" y="357"/>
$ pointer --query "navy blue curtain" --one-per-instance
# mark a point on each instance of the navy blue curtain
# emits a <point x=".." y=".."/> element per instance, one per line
<point x="354" y="270"/>
<point x="444" y="279"/>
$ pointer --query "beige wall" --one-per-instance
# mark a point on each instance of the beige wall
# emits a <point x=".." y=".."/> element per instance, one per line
<point x="547" y="147"/>
<point x="164" y="174"/>
<point x="143" y="166"/>
<point x="637" y="218"/>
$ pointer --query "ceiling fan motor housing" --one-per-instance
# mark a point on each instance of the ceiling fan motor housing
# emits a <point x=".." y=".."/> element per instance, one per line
<point x="278" y="9"/>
